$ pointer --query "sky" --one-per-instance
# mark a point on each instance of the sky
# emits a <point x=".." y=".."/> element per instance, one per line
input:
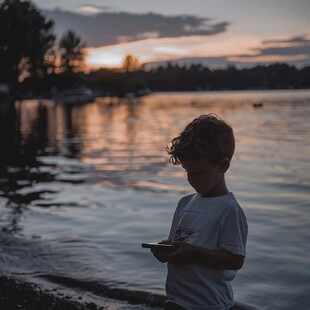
<point x="212" y="32"/>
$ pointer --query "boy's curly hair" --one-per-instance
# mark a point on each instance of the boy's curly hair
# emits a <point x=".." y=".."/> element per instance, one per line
<point x="207" y="136"/>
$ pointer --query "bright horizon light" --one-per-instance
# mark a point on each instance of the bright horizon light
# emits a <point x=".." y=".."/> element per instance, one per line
<point x="163" y="49"/>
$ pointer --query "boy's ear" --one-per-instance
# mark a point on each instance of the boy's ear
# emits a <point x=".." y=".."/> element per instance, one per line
<point x="224" y="165"/>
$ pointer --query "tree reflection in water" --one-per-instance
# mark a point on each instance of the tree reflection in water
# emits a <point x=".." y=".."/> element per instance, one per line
<point x="19" y="166"/>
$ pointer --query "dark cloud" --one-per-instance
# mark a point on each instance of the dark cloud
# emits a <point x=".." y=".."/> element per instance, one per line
<point x="300" y="39"/>
<point x="295" y="46"/>
<point x="286" y="51"/>
<point x="111" y="27"/>
<point x="294" y="51"/>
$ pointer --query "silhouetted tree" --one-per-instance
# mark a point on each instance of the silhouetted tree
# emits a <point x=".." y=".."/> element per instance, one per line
<point x="131" y="63"/>
<point x="72" y="53"/>
<point x="25" y="38"/>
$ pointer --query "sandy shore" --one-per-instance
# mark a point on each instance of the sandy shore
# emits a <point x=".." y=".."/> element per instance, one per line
<point x="18" y="295"/>
<point x="15" y="294"/>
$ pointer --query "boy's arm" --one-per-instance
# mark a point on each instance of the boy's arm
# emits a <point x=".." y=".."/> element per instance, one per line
<point x="216" y="259"/>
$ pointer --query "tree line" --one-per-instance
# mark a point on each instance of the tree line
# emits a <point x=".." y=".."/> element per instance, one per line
<point x="33" y="61"/>
<point x="28" y="46"/>
<point x="197" y="77"/>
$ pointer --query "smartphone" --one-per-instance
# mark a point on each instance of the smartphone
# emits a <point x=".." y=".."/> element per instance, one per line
<point x="161" y="246"/>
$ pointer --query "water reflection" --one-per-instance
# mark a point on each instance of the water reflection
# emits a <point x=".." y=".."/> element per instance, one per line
<point x="123" y="144"/>
<point x="19" y="167"/>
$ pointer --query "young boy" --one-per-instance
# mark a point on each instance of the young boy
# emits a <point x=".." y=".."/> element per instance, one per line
<point x="209" y="227"/>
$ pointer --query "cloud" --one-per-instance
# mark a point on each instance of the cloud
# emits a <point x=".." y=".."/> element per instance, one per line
<point x="107" y="28"/>
<point x="159" y="49"/>
<point x="92" y="9"/>
<point x="300" y="39"/>
<point x="195" y="48"/>
<point x="295" y="49"/>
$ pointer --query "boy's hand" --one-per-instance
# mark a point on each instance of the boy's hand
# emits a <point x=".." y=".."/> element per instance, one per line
<point x="162" y="255"/>
<point x="183" y="255"/>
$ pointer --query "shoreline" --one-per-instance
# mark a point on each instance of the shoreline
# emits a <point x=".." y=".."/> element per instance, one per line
<point x="16" y="294"/>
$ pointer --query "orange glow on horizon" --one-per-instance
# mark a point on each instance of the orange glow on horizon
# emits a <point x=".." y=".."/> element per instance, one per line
<point x="238" y="48"/>
<point x="165" y="49"/>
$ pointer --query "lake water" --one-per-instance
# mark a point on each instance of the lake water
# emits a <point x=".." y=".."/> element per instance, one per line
<point x="81" y="187"/>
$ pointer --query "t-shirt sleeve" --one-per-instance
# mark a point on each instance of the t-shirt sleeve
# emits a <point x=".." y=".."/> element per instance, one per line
<point x="234" y="233"/>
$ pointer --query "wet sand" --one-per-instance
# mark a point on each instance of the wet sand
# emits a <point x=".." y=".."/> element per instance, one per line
<point x="15" y="294"/>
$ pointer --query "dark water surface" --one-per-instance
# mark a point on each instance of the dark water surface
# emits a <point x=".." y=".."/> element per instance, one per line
<point x="81" y="187"/>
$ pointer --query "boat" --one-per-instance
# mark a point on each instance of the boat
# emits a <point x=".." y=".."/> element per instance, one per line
<point x="75" y="96"/>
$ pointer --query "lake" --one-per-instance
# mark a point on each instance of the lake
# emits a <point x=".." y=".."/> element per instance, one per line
<point x="82" y="186"/>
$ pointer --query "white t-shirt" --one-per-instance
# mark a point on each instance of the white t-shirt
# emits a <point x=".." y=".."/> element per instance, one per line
<point x="216" y="223"/>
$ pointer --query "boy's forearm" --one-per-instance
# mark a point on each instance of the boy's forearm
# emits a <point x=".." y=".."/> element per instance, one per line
<point x="218" y="259"/>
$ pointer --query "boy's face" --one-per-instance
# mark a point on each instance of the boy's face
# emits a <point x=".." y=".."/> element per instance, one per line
<point x="207" y="178"/>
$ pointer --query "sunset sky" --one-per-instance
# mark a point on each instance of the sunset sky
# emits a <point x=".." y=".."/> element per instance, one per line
<point x="211" y="32"/>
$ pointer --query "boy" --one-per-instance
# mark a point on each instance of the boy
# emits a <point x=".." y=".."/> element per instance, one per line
<point x="209" y="227"/>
